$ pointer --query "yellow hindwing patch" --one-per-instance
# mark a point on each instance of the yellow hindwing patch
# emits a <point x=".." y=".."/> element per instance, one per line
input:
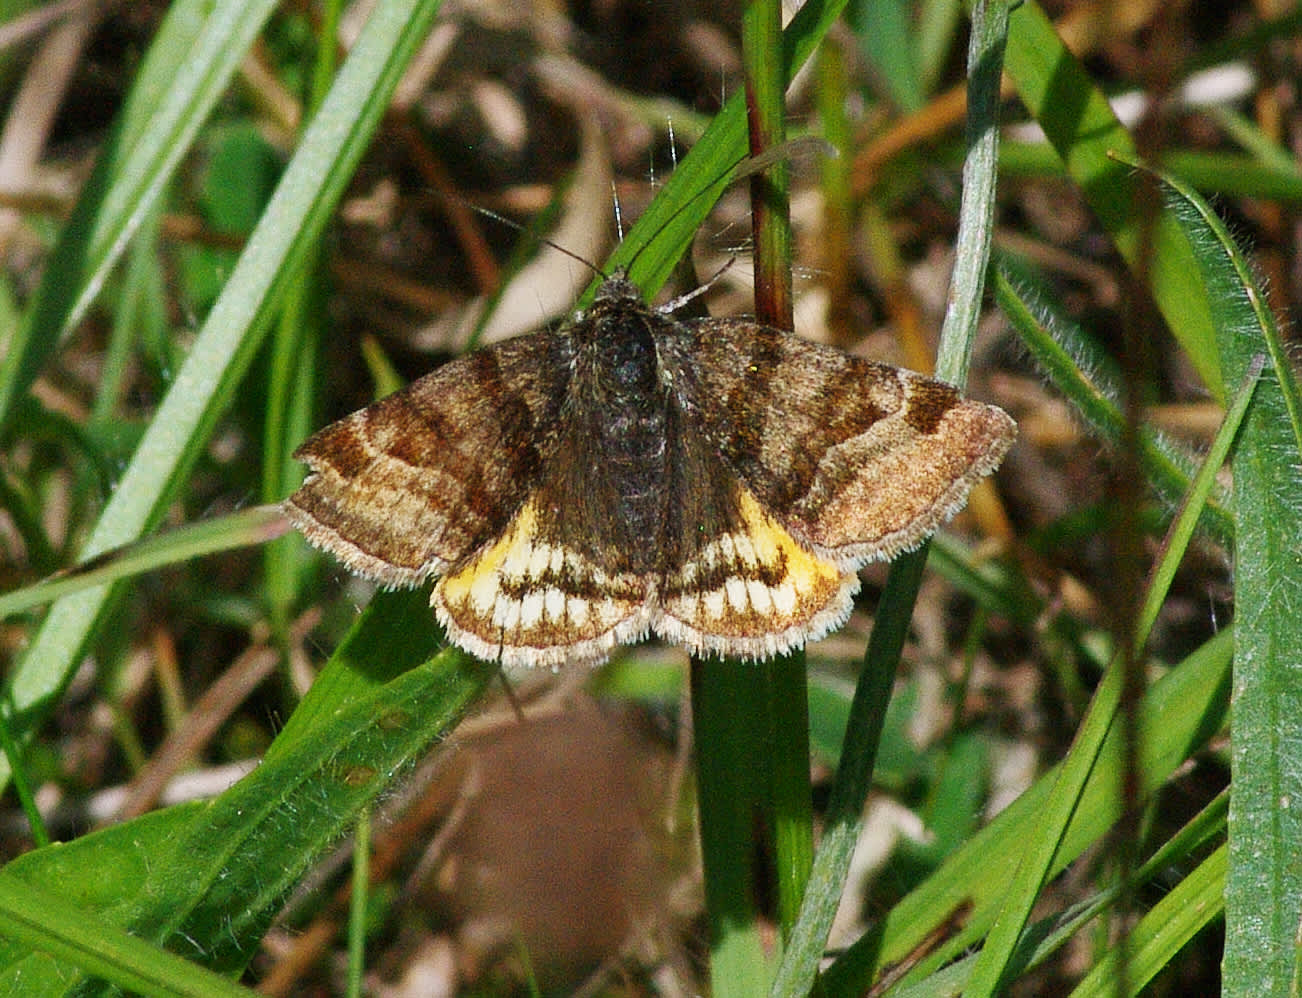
<point x="523" y="595"/>
<point x="755" y="591"/>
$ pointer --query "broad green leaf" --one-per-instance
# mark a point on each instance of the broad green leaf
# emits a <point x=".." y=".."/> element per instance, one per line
<point x="1263" y="895"/>
<point x="206" y="879"/>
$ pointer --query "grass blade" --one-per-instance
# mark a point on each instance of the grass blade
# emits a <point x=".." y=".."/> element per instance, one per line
<point x="189" y="67"/>
<point x="294" y="220"/>
<point x="799" y="967"/>
<point x="194" y="540"/>
<point x="1263" y="893"/>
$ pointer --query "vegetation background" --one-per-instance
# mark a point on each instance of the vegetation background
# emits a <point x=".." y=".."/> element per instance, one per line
<point x="225" y="224"/>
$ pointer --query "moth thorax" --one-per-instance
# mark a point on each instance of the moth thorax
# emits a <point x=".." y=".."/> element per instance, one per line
<point x="627" y="366"/>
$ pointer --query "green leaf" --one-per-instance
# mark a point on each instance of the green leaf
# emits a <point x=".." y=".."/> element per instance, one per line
<point x="206" y="880"/>
<point x="47" y="935"/>
<point x="1263" y="894"/>
<point x="1079" y="122"/>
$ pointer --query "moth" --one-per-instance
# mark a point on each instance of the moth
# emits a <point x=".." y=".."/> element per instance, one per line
<point x="715" y="482"/>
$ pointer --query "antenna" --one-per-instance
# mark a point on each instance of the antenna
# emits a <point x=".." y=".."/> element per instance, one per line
<point x="619" y="214"/>
<point x="513" y="224"/>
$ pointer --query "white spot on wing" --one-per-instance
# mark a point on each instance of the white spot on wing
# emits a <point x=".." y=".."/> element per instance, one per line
<point x="531" y="609"/>
<point x="745" y="550"/>
<point x="760" y="600"/>
<point x="538" y="559"/>
<point x="516" y="562"/>
<point x="736" y="589"/>
<point x="483" y="593"/>
<point x="510" y="610"/>
<point x="713" y="601"/>
<point x="578" y="610"/>
<point x="554" y="603"/>
<point x="784" y="598"/>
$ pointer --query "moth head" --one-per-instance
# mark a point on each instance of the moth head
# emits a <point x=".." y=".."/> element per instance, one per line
<point x="618" y="288"/>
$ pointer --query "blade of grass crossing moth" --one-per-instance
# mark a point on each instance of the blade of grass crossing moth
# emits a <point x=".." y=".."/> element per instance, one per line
<point x="799" y="968"/>
<point x="729" y="810"/>
<point x="765" y="730"/>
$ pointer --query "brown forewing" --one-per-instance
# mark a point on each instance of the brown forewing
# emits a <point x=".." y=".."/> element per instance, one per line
<point x="406" y="487"/>
<point x="859" y="459"/>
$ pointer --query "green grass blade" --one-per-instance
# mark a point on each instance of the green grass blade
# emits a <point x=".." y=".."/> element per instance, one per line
<point x="358" y="902"/>
<point x="799" y="967"/>
<point x="977" y="208"/>
<point x="294" y="220"/>
<point x="1264" y="889"/>
<point x="997" y="955"/>
<point x="1179" y="714"/>
<point x="889" y="42"/>
<point x="195" y="540"/>
<point x="189" y="66"/>
<point x="1154" y="940"/>
<point x="207" y="879"/>
<point x="732" y="785"/>
<point x="1182" y="530"/>
<point x="1079" y="122"/>
<point x="1228" y="173"/>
